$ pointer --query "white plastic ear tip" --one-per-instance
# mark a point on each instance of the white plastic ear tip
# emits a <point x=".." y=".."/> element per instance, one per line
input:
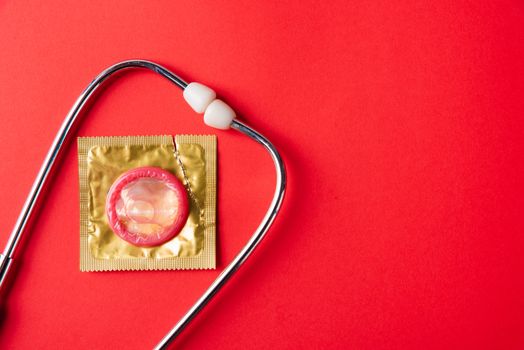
<point x="199" y="96"/>
<point x="219" y="115"/>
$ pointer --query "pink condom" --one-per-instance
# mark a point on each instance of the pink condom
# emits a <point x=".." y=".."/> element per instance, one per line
<point x="147" y="206"/>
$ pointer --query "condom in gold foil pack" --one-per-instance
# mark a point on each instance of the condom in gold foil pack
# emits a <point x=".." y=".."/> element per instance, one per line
<point x="147" y="202"/>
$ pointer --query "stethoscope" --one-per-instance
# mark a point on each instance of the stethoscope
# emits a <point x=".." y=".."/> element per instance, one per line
<point x="222" y="117"/>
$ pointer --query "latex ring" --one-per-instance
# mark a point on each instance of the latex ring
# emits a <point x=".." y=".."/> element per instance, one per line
<point x="147" y="206"/>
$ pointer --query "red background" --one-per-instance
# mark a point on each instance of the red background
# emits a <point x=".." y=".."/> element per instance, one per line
<point x="401" y="125"/>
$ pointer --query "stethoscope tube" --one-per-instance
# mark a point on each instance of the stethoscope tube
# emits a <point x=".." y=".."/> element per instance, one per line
<point x="63" y="136"/>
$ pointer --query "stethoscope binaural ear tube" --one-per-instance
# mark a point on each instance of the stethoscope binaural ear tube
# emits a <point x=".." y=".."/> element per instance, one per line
<point x="202" y="99"/>
<point x="217" y="114"/>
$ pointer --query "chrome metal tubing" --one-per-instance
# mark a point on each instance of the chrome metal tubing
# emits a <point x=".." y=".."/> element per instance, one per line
<point x="251" y="244"/>
<point x="64" y="134"/>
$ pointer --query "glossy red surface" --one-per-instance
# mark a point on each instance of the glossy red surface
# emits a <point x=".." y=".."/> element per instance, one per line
<point x="143" y="201"/>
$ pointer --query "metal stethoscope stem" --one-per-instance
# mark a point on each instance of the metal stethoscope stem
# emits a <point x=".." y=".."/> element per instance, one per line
<point x="63" y="136"/>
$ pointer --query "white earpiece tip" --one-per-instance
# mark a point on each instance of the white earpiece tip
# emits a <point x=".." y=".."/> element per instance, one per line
<point x="219" y="115"/>
<point x="199" y="96"/>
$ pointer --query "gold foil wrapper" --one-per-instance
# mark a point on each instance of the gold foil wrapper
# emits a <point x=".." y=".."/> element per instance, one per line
<point x="192" y="159"/>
